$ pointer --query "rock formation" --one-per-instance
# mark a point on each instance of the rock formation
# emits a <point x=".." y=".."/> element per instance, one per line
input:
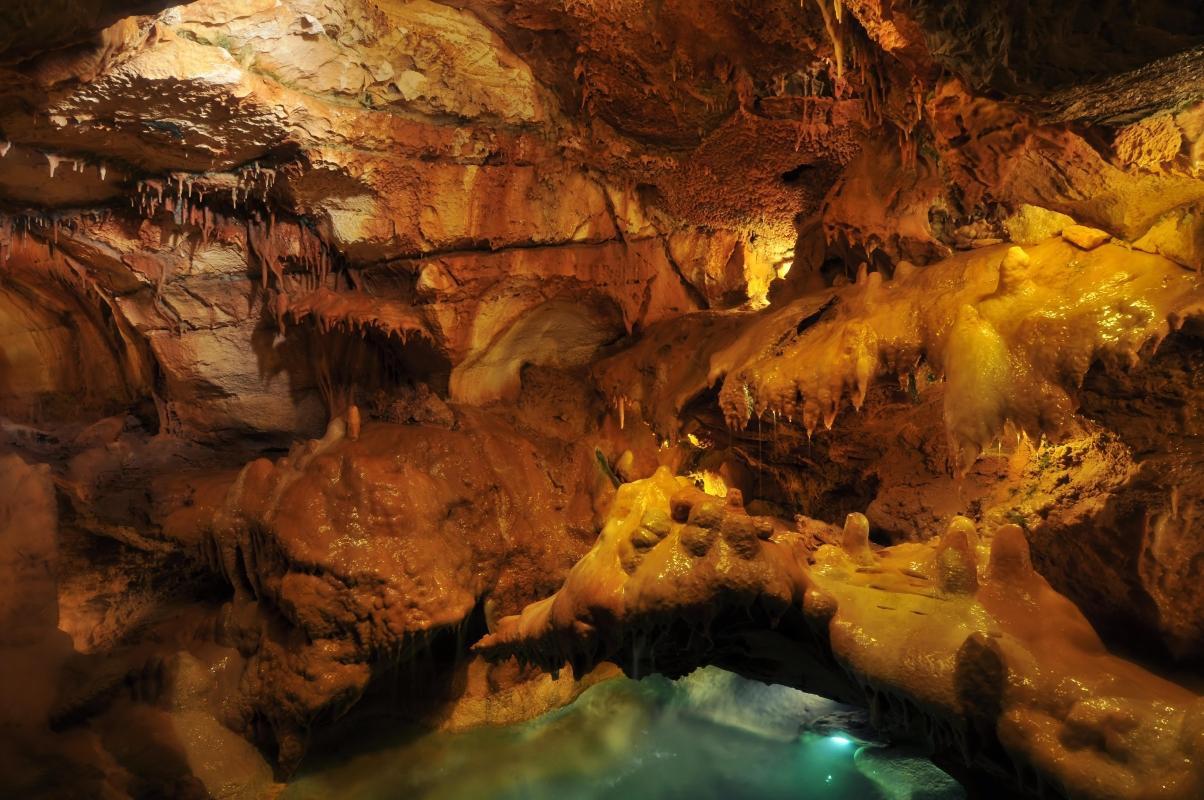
<point x="853" y="345"/>
<point x="957" y="640"/>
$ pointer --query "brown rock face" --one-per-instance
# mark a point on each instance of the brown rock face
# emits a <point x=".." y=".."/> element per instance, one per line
<point x="332" y="333"/>
<point x="347" y="552"/>
<point x="1150" y="522"/>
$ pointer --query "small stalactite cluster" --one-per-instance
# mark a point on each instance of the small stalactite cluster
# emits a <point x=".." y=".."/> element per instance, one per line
<point x="290" y="254"/>
<point x="35" y="238"/>
<point x="891" y="95"/>
<point x="176" y="192"/>
<point x="273" y="242"/>
<point x="54" y="161"/>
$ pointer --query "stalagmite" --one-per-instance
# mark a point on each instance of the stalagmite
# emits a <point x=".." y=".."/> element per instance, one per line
<point x="956" y="556"/>
<point x="855" y="539"/>
<point x="1010" y="562"/>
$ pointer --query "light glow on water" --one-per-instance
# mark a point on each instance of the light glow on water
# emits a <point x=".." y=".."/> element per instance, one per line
<point x="709" y="736"/>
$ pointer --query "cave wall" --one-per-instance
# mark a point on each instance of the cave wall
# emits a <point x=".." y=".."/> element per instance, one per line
<point x="344" y="319"/>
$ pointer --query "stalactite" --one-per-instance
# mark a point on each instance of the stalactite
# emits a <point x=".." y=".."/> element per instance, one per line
<point x="6" y="238"/>
<point x="835" y="35"/>
<point x="261" y="238"/>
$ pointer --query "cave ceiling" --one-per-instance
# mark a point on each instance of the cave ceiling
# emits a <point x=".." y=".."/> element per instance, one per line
<point x="683" y="99"/>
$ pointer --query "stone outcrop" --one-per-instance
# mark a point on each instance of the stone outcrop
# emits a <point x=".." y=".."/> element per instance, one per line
<point x="350" y="553"/>
<point x="958" y="641"/>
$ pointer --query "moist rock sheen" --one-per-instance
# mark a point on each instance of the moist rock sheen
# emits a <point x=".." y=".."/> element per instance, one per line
<point x="421" y="363"/>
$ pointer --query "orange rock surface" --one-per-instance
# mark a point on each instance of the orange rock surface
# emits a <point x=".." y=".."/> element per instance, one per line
<point x="332" y="333"/>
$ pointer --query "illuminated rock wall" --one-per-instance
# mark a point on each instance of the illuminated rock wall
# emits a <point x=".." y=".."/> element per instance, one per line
<point x="339" y="330"/>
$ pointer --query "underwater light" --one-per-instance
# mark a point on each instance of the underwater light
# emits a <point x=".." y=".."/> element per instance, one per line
<point x="843" y="741"/>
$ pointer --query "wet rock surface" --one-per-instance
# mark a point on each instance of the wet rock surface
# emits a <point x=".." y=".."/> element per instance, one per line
<point x="332" y="333"/>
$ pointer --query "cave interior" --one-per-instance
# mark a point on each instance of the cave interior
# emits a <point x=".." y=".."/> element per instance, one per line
<point x="417" y="371"/>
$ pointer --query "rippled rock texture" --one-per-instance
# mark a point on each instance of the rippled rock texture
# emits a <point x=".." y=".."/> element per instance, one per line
<point x="333" y="332"/>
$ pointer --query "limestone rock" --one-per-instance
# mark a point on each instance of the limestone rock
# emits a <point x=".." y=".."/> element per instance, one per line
<point x="340" y="325"/>
<point x="1083" y="237"/>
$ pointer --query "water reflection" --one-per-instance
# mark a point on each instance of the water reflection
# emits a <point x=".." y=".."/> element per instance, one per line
<point x="710" y="735"/>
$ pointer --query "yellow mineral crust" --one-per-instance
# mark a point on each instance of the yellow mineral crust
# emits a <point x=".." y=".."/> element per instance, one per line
<point x="1011" y="330"/>
<point x="668" y="549"/>
<point x="960" y="631"/>
<point x="1016" y="655"/>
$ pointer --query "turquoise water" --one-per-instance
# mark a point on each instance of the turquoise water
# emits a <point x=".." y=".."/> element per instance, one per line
<point x="709" y="735"/>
